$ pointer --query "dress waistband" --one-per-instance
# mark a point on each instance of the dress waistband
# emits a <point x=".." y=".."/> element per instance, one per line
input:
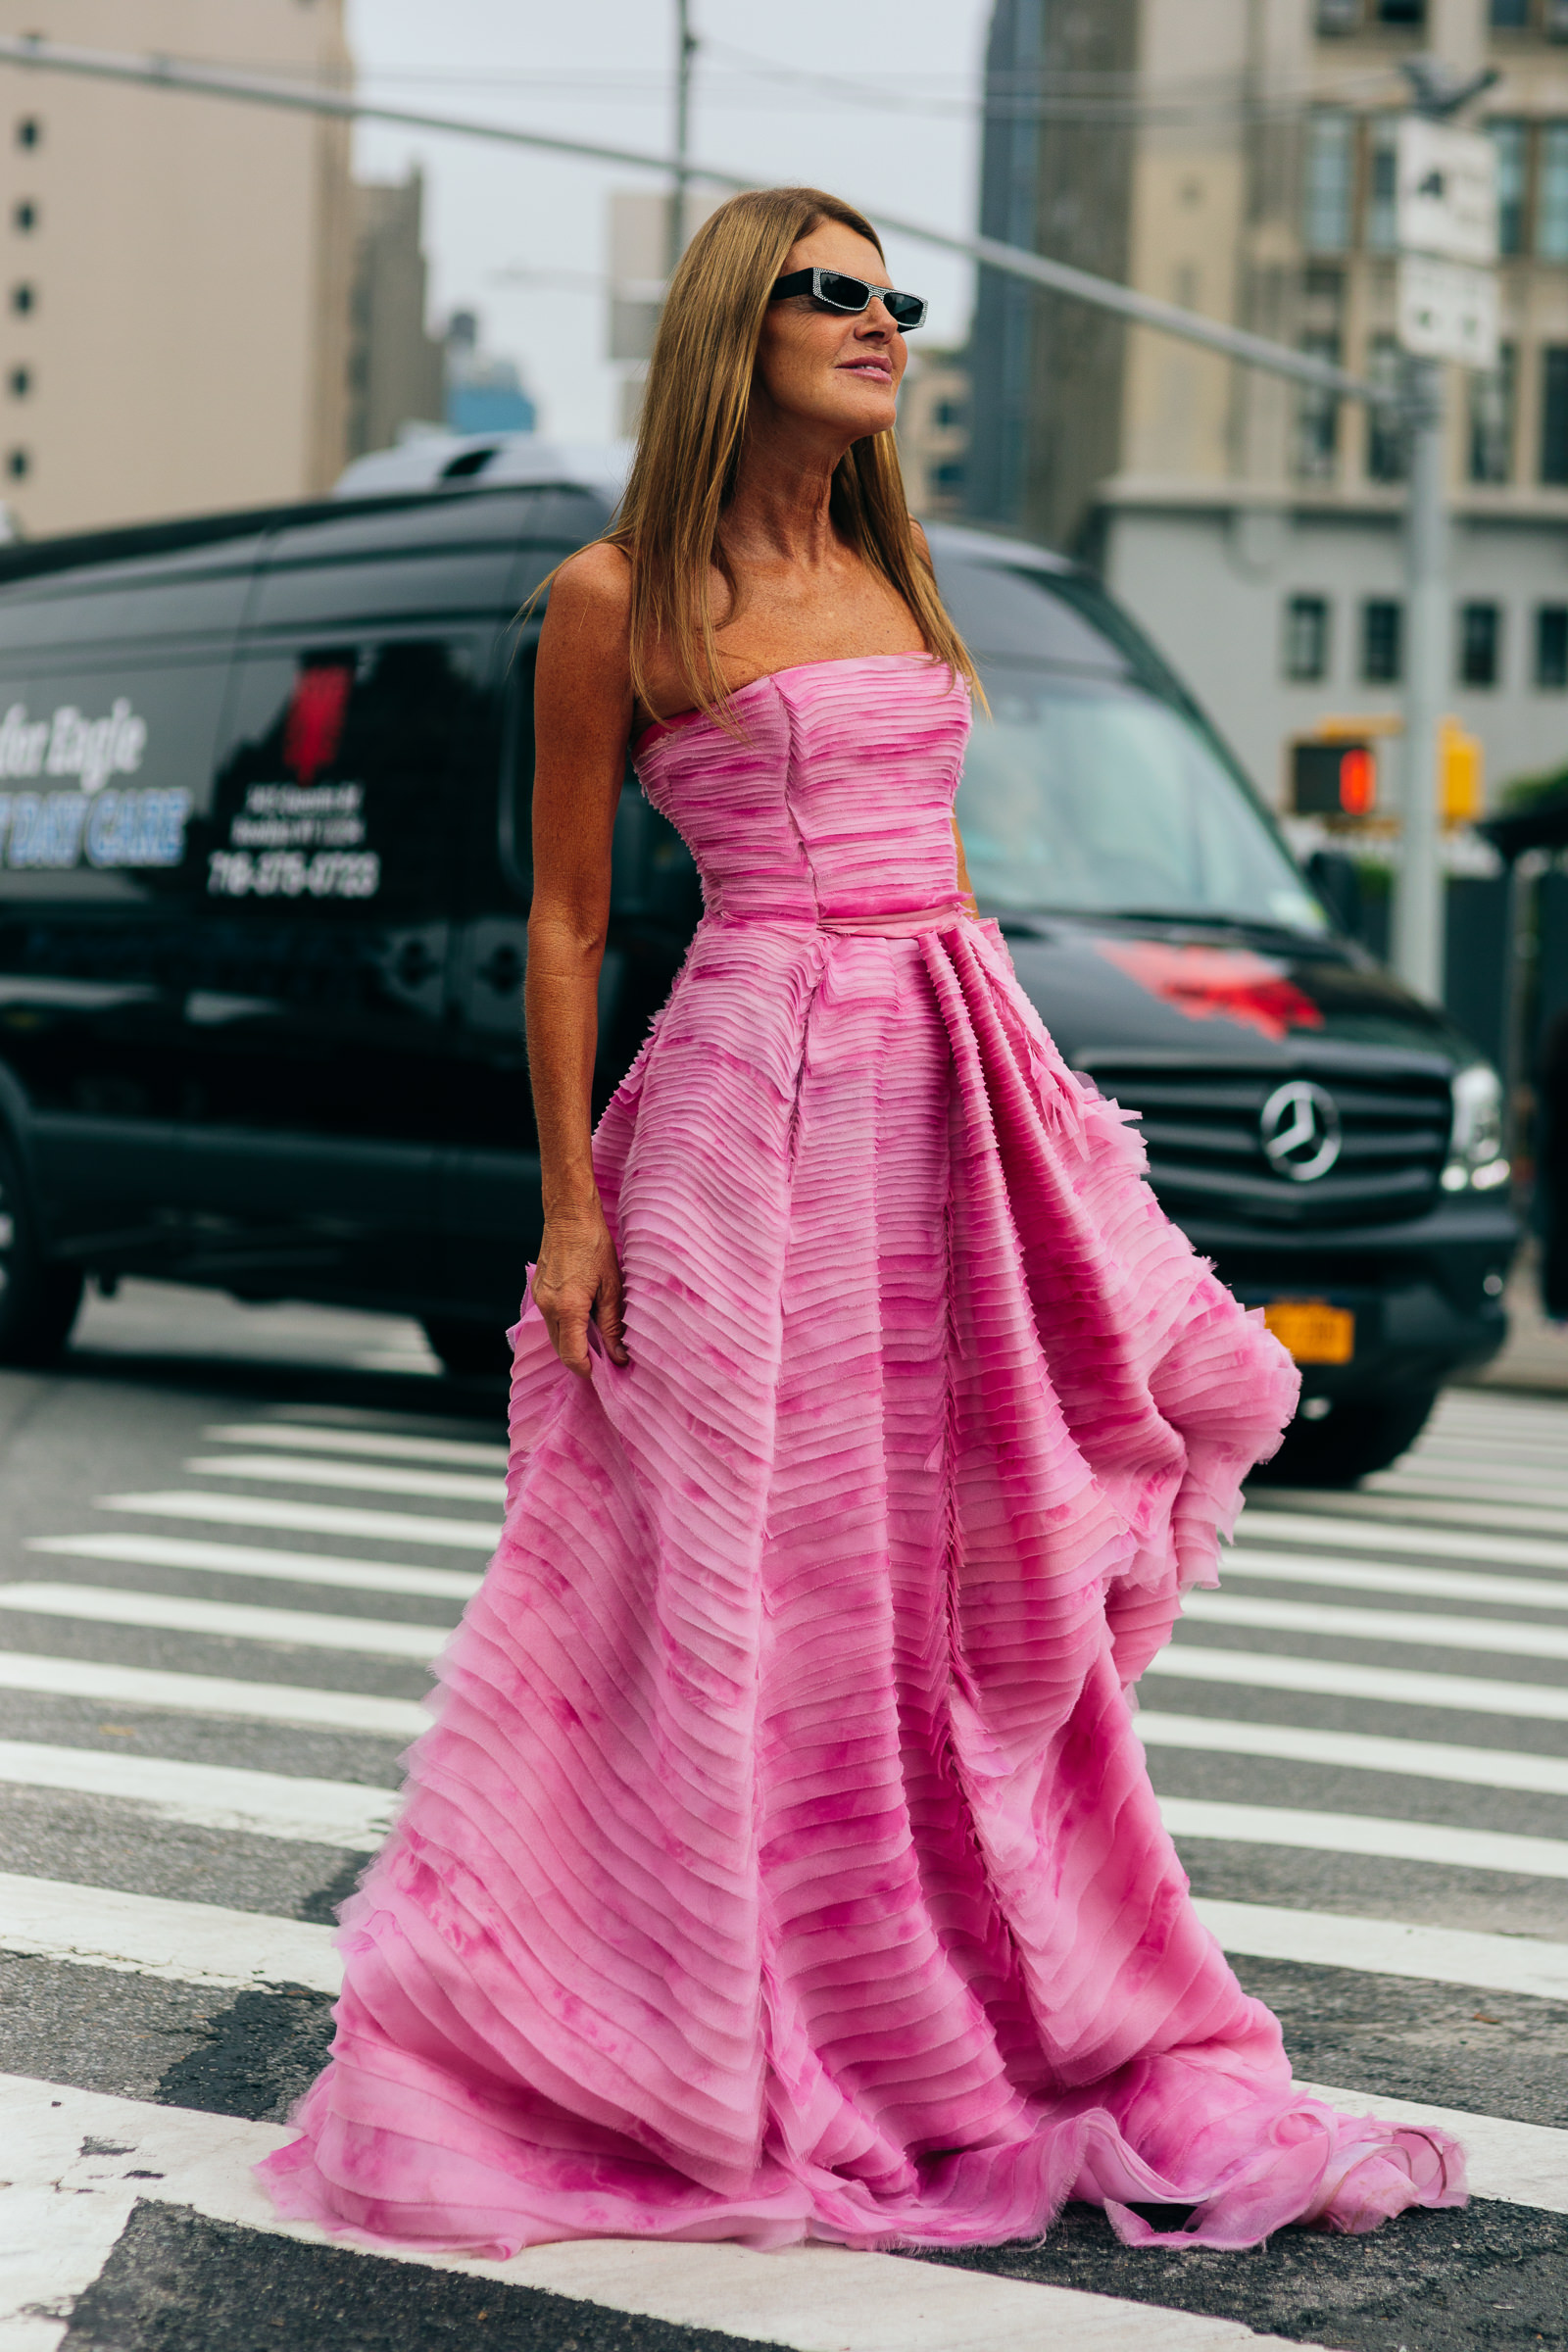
<point x="899" y="926"/>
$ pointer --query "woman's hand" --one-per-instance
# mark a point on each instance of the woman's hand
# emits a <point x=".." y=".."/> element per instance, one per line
<point x="577" y="1280"/>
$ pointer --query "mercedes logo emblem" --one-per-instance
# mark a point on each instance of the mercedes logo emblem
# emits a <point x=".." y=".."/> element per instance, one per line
<point x="1299" y="1128"/>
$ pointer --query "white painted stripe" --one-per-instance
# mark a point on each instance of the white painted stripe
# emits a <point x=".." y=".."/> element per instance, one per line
<point x="299" y="1437"/>
<point x="1356" y="1751"/>
<point x="371" y="1478"/>
<point x="812" y="2298"/>
<point x="312" y="1518"/>
<point x="1386" y="1947"/>
<point x="201" y="1943"/>
<point x="213" y="1694"/>
<point x="254" y="1559"/>
<point x="1383" y="1685"/>
<point x="265" y="1805"/>
<point x="1412" y="1627"/>
<point x="146" y="1936"/>
<point x="1317" y="1530"/>
<point x="1516" y="2164"/>
<point x="1441" y="1481"/>
<point x="228" y="1620"/>
<point x="1366" y="1833"/>
<point x="1376" y="1511"/>
<point x="1384" y="1576"/>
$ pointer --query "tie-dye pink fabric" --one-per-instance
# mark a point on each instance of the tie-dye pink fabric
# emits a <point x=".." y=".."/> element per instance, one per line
<point x="782" y="1862"/>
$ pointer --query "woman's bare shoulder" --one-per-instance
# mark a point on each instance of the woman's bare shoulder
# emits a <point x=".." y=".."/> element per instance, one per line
<point x="591" y="592"/>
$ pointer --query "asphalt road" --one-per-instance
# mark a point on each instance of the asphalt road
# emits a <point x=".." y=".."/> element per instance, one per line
<point x="232" y="1538"/>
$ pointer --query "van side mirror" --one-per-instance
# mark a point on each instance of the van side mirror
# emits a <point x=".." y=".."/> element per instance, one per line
<point x="1334" y="877"/>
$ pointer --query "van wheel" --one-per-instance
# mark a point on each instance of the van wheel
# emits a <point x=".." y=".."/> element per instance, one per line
<point x="38" y="1300"/>
<point x="468" y="1350"/>
<point x="1349" y="1442"/>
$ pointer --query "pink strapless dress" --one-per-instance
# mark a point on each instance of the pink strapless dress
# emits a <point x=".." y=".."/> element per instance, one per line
<point x="782" y="1862"/>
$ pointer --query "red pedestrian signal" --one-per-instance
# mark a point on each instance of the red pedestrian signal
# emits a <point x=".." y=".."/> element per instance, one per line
<point x="1333" y="779"/>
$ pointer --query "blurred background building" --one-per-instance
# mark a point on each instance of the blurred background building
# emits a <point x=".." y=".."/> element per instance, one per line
<point x="396" y="371"/>
<point x="1240" y="162"/>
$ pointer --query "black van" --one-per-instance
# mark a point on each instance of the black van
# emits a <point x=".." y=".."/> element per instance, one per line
<point x="263" y="882"/>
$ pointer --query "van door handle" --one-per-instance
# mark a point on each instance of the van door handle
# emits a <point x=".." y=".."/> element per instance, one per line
<point x="501" y="970"/>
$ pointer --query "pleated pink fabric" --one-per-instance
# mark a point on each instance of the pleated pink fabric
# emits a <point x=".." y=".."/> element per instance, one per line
<point x="782" y="1862"/>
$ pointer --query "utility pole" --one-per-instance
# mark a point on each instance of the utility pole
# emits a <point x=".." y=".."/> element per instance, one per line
<point x="1446" y="300"/>
<point x="685" y="51"/>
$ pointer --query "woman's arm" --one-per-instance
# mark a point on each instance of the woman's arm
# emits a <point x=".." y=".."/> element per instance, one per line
<point x="583" y="717"/>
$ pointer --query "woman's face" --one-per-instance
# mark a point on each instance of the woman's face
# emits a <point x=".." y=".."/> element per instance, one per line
<point x="819" y="368"/>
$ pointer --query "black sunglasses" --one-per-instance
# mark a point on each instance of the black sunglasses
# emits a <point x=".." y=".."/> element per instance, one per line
<point x="851" y="295"/>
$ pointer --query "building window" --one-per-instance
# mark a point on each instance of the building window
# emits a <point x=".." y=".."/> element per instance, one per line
<point x="1551" y="197"/>
<point x="1330" y="180"/>
<point x="22" y="299"/>
<point x="30" y="131"/>
<point x="1479" y="644"/>
<point x="1382" y="641"/>
<point x="1385" y="427"/>
<point x="1317" y="418"/>
<point x="19" y="465"/>
<point x="24" y="216"/>
<point x="1338" y="15"/>
<point x="1400" y="11"/>
<point x="1510" y="143"/>
<point x="1551" y="646"/>
<point x="948" y="415"/>
<point x="1557" y="19"/>
<point x="20" y="383"/>
<point x="948" y="477"/>
<point x="1382" y="184"/>
<point x="1492" y="412"/>
<point x="1510" y="15"/>
<point x="1554" y="414"/>
<point x="1306" y="639"/>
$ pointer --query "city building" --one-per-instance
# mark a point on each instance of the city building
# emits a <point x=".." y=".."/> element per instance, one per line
<point x="484" y="393"/>
<point x="1240" y="162"/>
<point x="639" y="260"/>
<point x="395" y="368"/>
<point x="175" y="286"/>
<point x="934" y="431"/>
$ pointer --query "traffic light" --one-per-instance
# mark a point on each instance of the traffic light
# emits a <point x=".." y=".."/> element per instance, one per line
<point x="1461" y="774"/>
<point x="1333" y="779"/>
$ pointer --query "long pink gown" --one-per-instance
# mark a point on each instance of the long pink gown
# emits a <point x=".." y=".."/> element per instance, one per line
<point x="782" y="1862"/>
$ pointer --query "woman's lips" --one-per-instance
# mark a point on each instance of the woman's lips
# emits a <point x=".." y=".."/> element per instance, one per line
<point x="877" y="371"/>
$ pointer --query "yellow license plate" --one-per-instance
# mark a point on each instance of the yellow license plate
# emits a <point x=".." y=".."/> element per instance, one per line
<point x="1314" y="1331"/>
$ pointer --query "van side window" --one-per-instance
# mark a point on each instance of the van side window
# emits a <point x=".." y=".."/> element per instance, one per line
<point x="334" y="790"/>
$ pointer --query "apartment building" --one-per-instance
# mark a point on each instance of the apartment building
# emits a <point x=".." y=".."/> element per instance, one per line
<point x="175" y="323"/>
<point x="1240" y="162"/>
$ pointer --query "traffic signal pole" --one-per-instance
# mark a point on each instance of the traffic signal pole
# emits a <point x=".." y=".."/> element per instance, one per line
<point x="1418" y="895"/>
<point x="1418" y="900"/>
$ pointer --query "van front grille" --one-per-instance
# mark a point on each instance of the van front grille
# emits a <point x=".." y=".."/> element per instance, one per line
<point x="1202" y="1126"/>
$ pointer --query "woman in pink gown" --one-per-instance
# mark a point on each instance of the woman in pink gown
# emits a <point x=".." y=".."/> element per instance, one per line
<point x="782" y="1862"/>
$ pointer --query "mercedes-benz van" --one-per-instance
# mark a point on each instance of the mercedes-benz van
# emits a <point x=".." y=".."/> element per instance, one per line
<point x="265" y="879"/>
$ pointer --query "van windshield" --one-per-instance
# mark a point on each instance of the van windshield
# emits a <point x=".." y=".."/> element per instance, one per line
<point x="1094" y="787"/>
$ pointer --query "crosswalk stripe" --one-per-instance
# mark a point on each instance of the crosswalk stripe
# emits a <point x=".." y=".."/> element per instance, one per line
<point x="149" y="1936"/>
<point x="203" y="1943"/>
<point x="1374" y="1511"/>
<point x="1516" y="2164"/>
<point x="254" y="1559"/>
<point x="1356" y="1751"/>
<point x="1367" y="1835"/>
<point x="1384" y="1685"/>
<point x="298" y="1437"/>
<point x="1414" y="1629"/>
<point x="81" y="2160"/>
<point x="1322" y="1532"/>
<point x="267" y="1805"/>
<point x="373" y="1478"/>
<point x="1386" y="1947"/>
<point x="228" y="1620"/>
<point x="1426" y="1479"/>
<point x="299" y="1703"/>
<point x="311" y="1518"/>
<point x="1422" y="1584"/>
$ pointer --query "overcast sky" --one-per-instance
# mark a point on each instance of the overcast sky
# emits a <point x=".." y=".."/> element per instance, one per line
<point x="872" y="99"/>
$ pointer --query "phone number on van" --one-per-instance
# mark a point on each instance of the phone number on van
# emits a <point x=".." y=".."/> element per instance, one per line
<point x="292" y="874"/>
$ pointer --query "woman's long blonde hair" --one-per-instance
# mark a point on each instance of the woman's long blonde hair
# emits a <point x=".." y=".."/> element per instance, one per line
<point x="693" y="431"/>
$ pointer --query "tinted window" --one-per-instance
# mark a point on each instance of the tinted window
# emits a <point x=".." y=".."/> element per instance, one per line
<point x="1095" y="785"/>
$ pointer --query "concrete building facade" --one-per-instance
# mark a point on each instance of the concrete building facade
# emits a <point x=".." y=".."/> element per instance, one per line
<point x="1255" y="529"/>
<point x="175" y="302"/>
<point x="395" y="368"/>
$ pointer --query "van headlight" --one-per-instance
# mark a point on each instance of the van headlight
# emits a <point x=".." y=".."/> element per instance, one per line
<point x="1475" y="1146"/>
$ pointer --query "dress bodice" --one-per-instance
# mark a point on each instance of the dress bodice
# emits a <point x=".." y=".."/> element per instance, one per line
<point x="838" y="802"/>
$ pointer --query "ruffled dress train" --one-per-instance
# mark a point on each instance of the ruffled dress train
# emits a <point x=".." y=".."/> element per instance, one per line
<point x="782" y="1861"/>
